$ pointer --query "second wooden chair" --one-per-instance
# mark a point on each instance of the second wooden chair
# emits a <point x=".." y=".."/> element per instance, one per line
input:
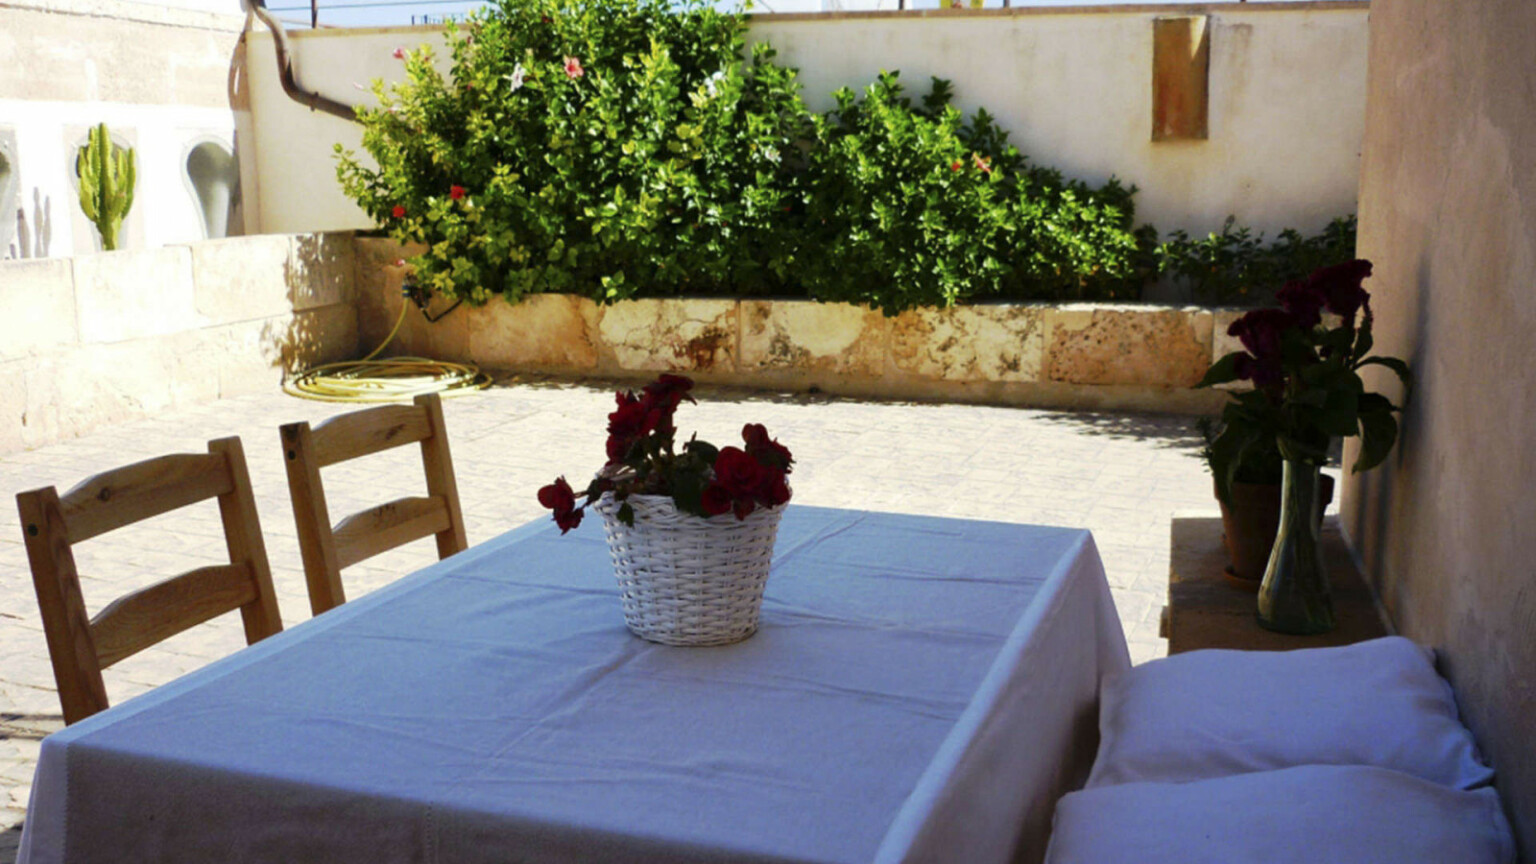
<point x="327" y="550"/>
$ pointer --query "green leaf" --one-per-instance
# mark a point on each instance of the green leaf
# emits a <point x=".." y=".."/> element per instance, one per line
<point x="1223" y="371"/>
<point x="1378" y="432"/>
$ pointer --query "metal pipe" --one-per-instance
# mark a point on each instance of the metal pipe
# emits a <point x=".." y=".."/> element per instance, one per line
<point x="313" y="100"/>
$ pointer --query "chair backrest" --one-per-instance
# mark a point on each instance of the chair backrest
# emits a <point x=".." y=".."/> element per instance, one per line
<point x="327" y="550"/>
<point x="81" y="646"/>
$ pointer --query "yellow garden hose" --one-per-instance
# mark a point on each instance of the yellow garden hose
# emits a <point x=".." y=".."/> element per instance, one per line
<point x="392" y="379"/>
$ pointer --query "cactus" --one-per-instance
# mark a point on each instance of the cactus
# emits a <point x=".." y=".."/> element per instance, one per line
<point x="106" y="184"/>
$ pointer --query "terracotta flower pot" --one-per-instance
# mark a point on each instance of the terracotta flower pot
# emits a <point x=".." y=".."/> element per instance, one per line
<point x="1249" y="525"/>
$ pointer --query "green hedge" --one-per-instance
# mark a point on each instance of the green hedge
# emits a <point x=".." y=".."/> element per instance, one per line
<point x="622" y="148"/>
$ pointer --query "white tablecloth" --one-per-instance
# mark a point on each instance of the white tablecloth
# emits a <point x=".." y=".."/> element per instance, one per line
<point x="920" y="690"/>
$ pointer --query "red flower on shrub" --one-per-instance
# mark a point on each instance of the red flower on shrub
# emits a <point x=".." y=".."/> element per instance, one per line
<point x="559" y="497"/>
<point x="399" y="54"/>
<point x="398" y="212"/>
<point x="956" y="165"/>
<point x="456" y="192"/>
<point x="573" y="68"/>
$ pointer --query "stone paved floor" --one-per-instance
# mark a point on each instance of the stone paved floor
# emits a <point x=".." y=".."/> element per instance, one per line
<point x="1121" y="475"/>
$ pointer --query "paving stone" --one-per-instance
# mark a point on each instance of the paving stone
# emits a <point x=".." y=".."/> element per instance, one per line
<point x="1121" y="475"/>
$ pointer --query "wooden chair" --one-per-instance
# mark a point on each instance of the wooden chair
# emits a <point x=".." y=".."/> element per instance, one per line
<point x="81" y="646"/>
<point x="328" y="550"/>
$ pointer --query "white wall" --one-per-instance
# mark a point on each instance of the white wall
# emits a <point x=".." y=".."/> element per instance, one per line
<point x="160" y="77"/>
<point x="1287" y="101"/>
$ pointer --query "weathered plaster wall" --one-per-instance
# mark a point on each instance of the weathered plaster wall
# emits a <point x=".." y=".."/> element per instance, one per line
<point x="95" y="339"/>
<point x="1074" y="86"/>
<point x="1448" y="215"/>
<point x="163" y="79"/>
<point x="1108" y="357"/>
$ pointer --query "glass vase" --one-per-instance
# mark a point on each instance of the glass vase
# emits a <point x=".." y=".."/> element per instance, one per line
<point x="1295" y="596"/>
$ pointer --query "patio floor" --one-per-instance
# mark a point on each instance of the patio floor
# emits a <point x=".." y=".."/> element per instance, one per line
<point x="1121" y="475"/>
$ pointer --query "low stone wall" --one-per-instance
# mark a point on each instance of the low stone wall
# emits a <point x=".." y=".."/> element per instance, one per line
<point x="96" y="339"/>
<point x="1084" y="356"/>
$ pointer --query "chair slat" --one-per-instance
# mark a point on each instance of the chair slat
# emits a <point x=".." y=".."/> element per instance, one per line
<point x="80" y="646"/>
<point x="327" y="549"/>
<point x="143" y="490"/>
<point x="378" y="529"/>
<point x="149" y="615"/>
<point x="361" y="433"/>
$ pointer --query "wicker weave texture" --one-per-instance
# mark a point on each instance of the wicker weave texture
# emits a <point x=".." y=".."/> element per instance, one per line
<point x="686" y="580"/>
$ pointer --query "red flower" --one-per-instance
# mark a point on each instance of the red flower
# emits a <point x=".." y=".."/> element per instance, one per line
<point x="398" y="212"/>
<point x="559" y="497"/>
<point x="399" y="54"/>
<point x="455" y="192"/>
<point x="1340" y="284"/>
<point x="716" y="499"/>
<point x="983" y="164"/>
<point x="766" y="450"/>
<point x="1304" y="301"/>
<point x="956" y="165"/>
<point x="573" y="68"/>
<point x="634" y="419"/>
<point x="667" y="392"/>
<point x="738" y="472"/>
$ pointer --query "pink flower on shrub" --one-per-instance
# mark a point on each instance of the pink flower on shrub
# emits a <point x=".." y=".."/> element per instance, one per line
<point x="573" y="68"/>
<point x="399" y="54"/>
<point x="983" y="164"/>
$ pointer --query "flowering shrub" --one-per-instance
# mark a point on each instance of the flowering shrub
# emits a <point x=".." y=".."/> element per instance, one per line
<point x="914" y="205"/>
<point x="591" y="146"/>
<point x="701" y="479"/>
<point x="619" y="148"/>
<point x="1305" y="374"/>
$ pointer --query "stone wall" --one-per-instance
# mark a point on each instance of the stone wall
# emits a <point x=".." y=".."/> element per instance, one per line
<point x="95" y="339"/>
<point x="1089" y="356"/>
<point x="1448" y="214"/>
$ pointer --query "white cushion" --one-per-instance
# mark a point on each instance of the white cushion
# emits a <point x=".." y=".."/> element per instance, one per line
<point x="1216" y="713"/>
<point x="1306" y="815"/>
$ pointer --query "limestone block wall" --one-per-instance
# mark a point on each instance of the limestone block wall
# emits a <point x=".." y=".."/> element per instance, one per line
<point x="96" y="339"/>
<point x="1087" y="356"/>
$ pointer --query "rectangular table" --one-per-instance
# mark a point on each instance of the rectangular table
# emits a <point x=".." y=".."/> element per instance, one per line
<point x="920" y="689"/>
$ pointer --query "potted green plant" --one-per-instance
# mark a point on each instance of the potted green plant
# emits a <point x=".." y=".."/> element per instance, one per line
<point x="1250" y="502"/>
<point x="1306" y="391"/>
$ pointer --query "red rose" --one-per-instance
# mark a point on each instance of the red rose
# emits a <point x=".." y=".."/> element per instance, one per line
<point x="455" y="192"/>
<point x="559" y="497"/>
<point x="778" y="491"/>
<point x="398" y="212"/>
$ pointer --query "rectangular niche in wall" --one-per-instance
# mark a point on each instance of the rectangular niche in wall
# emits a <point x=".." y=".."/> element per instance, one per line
<point x="11" y="246"/>
<point x="1181" y="66"/>
<point x="212" y="172"/>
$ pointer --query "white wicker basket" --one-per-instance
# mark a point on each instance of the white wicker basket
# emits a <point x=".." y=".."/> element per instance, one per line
<point x="686" y="580"/>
